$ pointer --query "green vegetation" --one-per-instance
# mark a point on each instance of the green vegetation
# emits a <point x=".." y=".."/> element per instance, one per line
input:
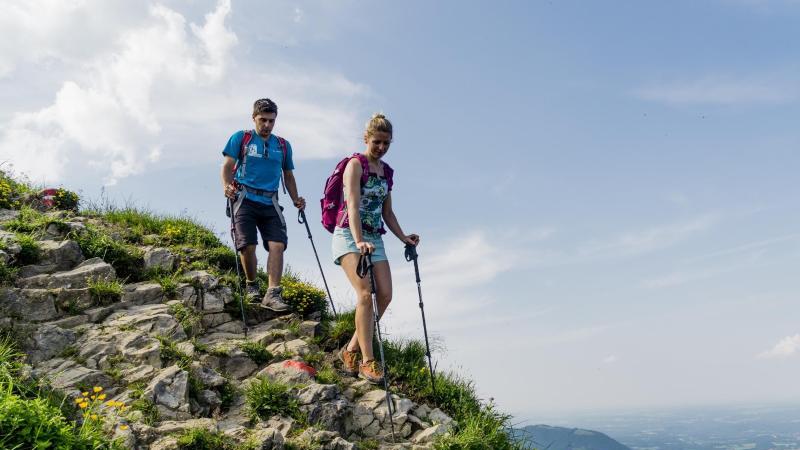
<point x="302" y="296"/>
<point x="171" y="354"/>
<point x="7" y="274"/>
<point x="66" y="200"/>
<point x="168" y="282"/>
<point x="105" y="292"/>
<point x="256" y="351"/>
<point x="202" y="439"/>
<point x="30" y="250"/>
<point x="35" y="418"/>
<point x="11" y="191"/>
<point x="328" y="375"/>
<point x="266" y="398"/>
<point x="125" y="258"/>
<point x="189" y="318"/>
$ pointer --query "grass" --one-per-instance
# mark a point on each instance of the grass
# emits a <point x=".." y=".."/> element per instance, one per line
<point x="105" y="292"/>
<point x="202" y="439"/>
<point x="30" y="250"/>
<point x="266" y="398"/>
<point x="7" y="274"/>
<point x="168" y="282"/>
<point x="149" y="410"/>
<point x="328" y="375"/>
<point x="34" y="416"/>
<point x="189" y="318"/>
<point x="126" y="259"/>
<point x="170" y="353"/>
<point x="257" y="352"/>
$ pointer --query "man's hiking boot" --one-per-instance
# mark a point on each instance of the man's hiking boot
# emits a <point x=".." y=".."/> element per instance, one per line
<point x="252" y="292"/>
<point x="273" y="300"/>
<point x="370" y="371"/>
<point x="349" y="361"/>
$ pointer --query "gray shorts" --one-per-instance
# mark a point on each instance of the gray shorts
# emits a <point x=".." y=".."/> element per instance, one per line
<point x="252" y="216"/>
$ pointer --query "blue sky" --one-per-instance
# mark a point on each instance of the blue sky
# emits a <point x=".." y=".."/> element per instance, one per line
<point x="606" y="193"/>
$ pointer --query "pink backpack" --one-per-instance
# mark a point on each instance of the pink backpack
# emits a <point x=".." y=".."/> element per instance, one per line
<point x="334" y="208"/>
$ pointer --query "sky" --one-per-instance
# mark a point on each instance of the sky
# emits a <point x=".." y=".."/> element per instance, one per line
<point x="606" y="192"/>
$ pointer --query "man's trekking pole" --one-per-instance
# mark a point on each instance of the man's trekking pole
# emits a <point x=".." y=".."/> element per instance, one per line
<point x="301" y="218"/>
<point x="365" y="267"/>
<point x="238" y="271"/>
<point x="411" y="255"/>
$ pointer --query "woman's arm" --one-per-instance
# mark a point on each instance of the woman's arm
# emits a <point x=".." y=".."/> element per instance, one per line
<point x="394" y="226"/>
<point x="352" y="186"/>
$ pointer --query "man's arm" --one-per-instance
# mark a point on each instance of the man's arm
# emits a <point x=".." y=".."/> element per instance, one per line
<point x="291" y="186"/>
<point x="227" y="176"/>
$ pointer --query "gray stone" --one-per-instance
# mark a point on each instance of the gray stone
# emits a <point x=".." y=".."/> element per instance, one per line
<point x="170" y="389"/>
<point x="159" y="258"/>
<point x="49" y="341"/>
<point x="429" y="434"/>
<point x="54" y="256"/>
<point x="284" y="425"/>
<point x="71" y="321"/>
<point x="239" y="366"/>
<point x="293" y="347"/>
<point x="209" y="377"/>
<point x="8" y="214"/>
<point x="144" y="293"/>
<point x="373" y="398"/>
<point x="74" y="300"/>
<point x="212" y="303"/>
<point x="317" y="392"/>
<point x="4" y="257"/>
<point x="216" y="319"/>
<point x="33" y="305"/>
<point x="139" y="373"/>
<point x="287" y="374"/>
<point x="328" y="415"/>
<point x="268" y="439"/>
<point x="78" y="277"/>
<point x="362" y="416"/>
<point x="403" y="405"/>
<point x="139" y="347"/>
<point x="437" y="416"/>
<point x="202" y="278"/>
<point x="209" y="398"/>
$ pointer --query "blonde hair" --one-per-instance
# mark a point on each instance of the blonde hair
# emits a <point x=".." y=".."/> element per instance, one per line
<point x="378" y="122"/>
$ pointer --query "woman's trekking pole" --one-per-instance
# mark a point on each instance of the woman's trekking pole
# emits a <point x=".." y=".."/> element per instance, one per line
<point x="301" y="218"/>
<point x="411" y="255"/>
<point x="365" y="267"/>
<point x="238" y="271"/>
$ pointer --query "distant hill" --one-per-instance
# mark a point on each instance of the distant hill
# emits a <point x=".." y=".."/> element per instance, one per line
<point x="545" y="437"/>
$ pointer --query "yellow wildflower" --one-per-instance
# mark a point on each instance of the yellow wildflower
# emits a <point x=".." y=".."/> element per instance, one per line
<point x="101" y="397"/>
<point x="83" y="405"/>
<point x="123" y="427"/>
<point x="97" y="389"/>
<point x="85" y="394"/>
<point x="93" y="416"/>
<point x="78" y="400"/>
<point x="93" y="397"/>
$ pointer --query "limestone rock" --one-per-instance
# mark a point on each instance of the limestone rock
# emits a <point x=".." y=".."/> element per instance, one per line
<point x="159" y="258"/>
<point x="33" y="305"/>
<point x="143" y="293"/>
<point x="293" y="347"/>
<point x="49" y="341"/>
<point x="268" y="439"/>
<point x="94" y="268"/>
<point x="287" y="374"/>
<point x="170" y="390"/>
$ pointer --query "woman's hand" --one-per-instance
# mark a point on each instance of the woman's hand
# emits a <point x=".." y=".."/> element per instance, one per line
<point x="365" y="247"/>
<point x="412" y="239"/>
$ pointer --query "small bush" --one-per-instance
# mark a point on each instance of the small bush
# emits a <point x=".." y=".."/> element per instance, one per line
<point x="11" y="192"/>
<point x="328" y="375"/>
<point x="257" y="352"/>
<point x="30" y="250"/>
<point x="30" y="220"/>
<point x="7" y="274"/>
<point x="343" y="327"/>
<point x="105" y="292"/>
<point x="303" y="297"/>
<point x="266" y="398"/>
<point x="66" y="200"/>
<point x="170" y="353"/>
<point x="189" y="318"/>
<point x="202" y="439"/>
<point x="127" y="260"/>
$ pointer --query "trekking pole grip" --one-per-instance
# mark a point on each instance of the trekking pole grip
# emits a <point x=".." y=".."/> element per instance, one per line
<point x="411" y="255"/>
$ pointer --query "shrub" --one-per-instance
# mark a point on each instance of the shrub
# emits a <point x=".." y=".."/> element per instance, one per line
<point x="30" y="250"/>
<point x="266" y="398"/>
<point x="202" y="439"/>
<point x="105" y="292"/>
<point x="66" y="200"/>
<point x="7" y="274"/>
<point x="256" y="351"/>
<point x="127" y="260"/>
<point x="303" y="297"/>
<point x="189" y="318"/>
<point x="11" y="191"/>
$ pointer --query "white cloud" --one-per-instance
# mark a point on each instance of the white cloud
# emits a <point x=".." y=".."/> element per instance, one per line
<point x="720" y="91"/>
<point x="649" y="240"/>
<point x="610" y="359"/>
<point x="163" y="89"/>
<point x="785" y="348"/>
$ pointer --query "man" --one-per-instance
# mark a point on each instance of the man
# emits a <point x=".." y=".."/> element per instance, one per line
<point x="255" y="161"/>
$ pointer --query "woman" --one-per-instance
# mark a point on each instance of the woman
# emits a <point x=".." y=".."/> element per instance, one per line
<point x="359" y="232"/>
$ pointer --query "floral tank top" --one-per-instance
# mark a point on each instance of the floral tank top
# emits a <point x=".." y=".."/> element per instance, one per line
<point x="373" y="193"/>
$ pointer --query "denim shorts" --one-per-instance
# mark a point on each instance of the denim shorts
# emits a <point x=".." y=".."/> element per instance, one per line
<point x="343" y="243"/>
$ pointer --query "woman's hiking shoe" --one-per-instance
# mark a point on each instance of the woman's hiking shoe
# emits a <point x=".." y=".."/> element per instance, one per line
<point x="349" y="361"/>
<point x="251" y="292"/>
<point x="273" y="300"/>
<point x="370" y="371"/>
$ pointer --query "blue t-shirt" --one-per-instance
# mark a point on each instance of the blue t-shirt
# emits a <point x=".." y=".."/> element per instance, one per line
<point x="261" y="169"/>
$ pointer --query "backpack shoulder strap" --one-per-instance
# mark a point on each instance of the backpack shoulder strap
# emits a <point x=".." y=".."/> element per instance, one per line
<point x="247" y="136"/>
<point x="284" y="149"/>
<point x="388" y="173"/>
<point x="364" y="167"/>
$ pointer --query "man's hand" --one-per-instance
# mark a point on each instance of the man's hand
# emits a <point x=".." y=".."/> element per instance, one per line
<point x="300" y="203"/>
<point x="230" y="191"/>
